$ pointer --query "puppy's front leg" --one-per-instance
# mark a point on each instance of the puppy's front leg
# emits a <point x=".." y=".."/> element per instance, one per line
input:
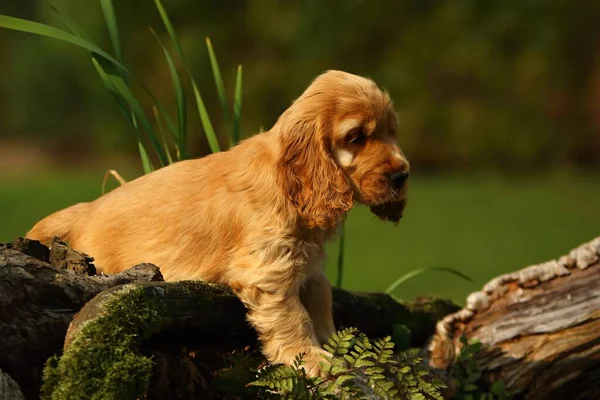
<point x="283" y="325"/>
<point x="315" y="294"/>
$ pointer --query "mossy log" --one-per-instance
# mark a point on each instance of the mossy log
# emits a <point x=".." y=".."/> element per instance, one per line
<point x="38" y="301"/>
<point x="136" y="334"/>
<point x="540" y="328"/>
<point x="206" y="331"/>
<point x="206" y="319"/>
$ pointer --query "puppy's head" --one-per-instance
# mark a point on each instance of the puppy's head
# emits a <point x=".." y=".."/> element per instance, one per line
<point x="339" y="145"/>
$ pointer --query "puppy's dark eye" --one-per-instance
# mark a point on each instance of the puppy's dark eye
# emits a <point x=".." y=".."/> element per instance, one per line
<point x="355" y="136"/>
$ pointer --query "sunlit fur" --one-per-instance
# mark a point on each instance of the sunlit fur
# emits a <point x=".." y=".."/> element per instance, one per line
<point x="256" y="217"/>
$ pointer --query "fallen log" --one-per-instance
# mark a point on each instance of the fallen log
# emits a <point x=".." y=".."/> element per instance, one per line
<point x="206" y="323"/>
<point x="208" y="319"/>
<point x="540" y="328"/>
<point x="38" y="301"/>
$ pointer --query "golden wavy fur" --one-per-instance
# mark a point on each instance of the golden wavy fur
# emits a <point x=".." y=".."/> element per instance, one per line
<point x="256" y="217"/>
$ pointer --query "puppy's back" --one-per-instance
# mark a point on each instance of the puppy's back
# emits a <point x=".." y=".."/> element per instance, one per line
<point x="58" y="224"/>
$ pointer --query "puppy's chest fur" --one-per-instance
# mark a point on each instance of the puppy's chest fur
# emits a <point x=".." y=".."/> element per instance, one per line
<point x="301" y="252"/>
<point x="309" y="250"/>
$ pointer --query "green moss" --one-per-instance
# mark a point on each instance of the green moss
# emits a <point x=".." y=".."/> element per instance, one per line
<point x="201" y="290"/>
<point x="102" y="361"/>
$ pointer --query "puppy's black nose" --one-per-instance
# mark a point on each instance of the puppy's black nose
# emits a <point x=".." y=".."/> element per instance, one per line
<point x="399" y="178"/>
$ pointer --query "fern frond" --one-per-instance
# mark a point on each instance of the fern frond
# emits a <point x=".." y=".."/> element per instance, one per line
<point x="382" y="388"/>
<point x="383" y="350"/>
<point x="339" y="343"/>
<point x="274" y="376"/>
<point x="360" y="354"/>
<point x="357" y="369"/>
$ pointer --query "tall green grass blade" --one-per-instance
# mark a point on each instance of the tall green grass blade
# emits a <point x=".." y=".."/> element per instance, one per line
<point x="218" y="79"/>
<point x="170" y="30"/>
<point x="79" y="39"/>
<point x="116" y="84"/>
<point x="113" y="30"/>
<point x="161" y="133"/>
<point x="73" y="27"/>
<point x="146" y="164"/>
<point x="129" y="119"/>
<point x="182" y="139"/>
<point x="180" y="102"/>
<point x="140" y="116"/>
<point x="209" y="131"/>
<point x="163" y="112"/>
<point x="404" y="278"/>
<point x="36" y="28"/>
<point x="126" y="112"/>
<point x="110" y="18"/>
<point x="340" y="261"/>
<point x="109" y="80"/>
<point x="237" y="107"/>
<point x="80" y="33"/>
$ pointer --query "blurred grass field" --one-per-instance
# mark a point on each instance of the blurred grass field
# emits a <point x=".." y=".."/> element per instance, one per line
<point x="481" y="225"/>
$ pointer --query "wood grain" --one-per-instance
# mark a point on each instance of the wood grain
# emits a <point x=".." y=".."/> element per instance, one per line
<point x="540" y="327"/>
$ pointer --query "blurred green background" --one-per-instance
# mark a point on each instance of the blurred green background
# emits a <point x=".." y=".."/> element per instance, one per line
<point x="499" y="104"/>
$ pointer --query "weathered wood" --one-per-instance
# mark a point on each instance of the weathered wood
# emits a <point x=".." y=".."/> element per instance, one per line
<point x="194" y="318"/>
<point x="9" y="389"/>
<point x="204" y="318"/>
<point x="37" y="303"/>
<point x="540" y="325"/>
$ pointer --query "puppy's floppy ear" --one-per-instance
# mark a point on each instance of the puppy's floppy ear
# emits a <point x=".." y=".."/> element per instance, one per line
<point x="309" y="176"/>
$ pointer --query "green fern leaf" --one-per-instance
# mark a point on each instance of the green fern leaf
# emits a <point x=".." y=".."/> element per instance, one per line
<point x="374" y="370"/>
<point x="340" y="380"/>
<point x="340" y="342"/>
<point x="337" y="369"/>
<point x="361" y="363"/>
<point x="417" y="396"/>
<point x="382" y="388"/>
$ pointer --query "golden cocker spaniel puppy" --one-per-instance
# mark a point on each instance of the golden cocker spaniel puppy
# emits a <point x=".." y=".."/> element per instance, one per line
<point x="256" y="217"/>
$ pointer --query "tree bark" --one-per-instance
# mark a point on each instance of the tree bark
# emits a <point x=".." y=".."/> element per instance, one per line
<point x="38" y="301"/>
<point x="540" y="328"/>
<point x="222" y="318"/>
<point x="540" y="325"/>
<point x="41" y="309"/>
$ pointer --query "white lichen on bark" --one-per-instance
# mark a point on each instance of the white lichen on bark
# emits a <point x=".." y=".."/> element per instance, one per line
<point x="582" y="257"/>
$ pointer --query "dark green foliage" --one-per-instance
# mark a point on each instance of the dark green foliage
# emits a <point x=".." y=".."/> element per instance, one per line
<point x="505" y="83"/>
<point x="465" y="376"/>
<point x="102" y="361"/>
<point x="283" y="381"/>
<point x="358" y="368"/>
<point x="401" y="336"/>
<point x="242" y="369"/>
